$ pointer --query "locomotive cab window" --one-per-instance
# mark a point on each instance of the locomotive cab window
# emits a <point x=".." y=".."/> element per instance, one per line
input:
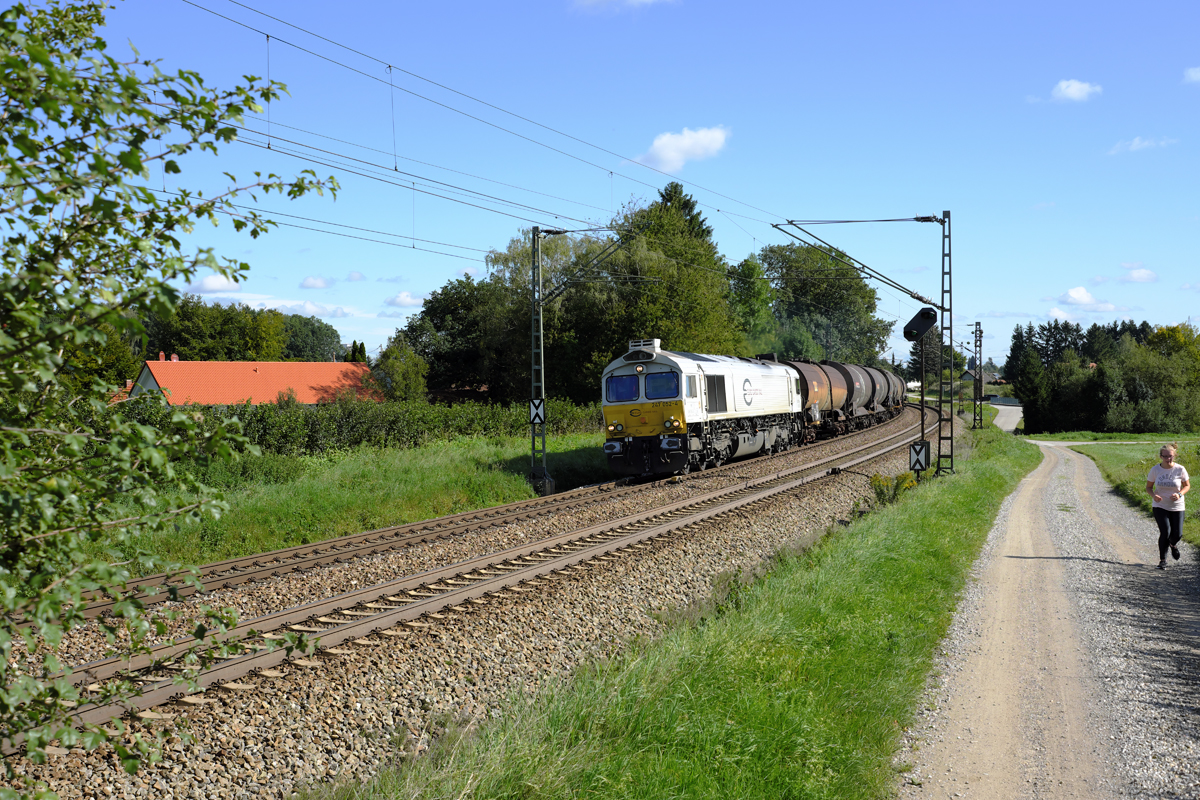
<point x="622" y="388"/>
<point x="691" y="385"/>
<point x="662" y="385"/>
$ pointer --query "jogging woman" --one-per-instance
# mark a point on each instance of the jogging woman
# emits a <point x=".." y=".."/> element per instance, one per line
<point x="1167" y="483"/>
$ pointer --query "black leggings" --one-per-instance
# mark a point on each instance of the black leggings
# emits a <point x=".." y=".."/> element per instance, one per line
<point x="1170" y="529"/>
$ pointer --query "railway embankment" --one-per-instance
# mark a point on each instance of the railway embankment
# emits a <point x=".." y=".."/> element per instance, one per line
<point x="799" y="682"/>
<point x="342" y="716"/>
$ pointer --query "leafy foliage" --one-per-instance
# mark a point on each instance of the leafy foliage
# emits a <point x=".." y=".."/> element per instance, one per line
<point x="668" y="282"/>
<point x="89" y="251"/>
<point x="1142" y="381"/>
<point x="829" y="299"/>
<point x="311" y="339"/>
<point x="400" y="372"/>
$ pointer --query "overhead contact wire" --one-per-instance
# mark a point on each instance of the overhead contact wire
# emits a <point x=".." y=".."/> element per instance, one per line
<point x="466" y="114"/>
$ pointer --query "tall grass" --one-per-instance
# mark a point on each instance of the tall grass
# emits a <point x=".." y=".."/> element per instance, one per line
<point x="279" y="501"/>
<point x="797" y="687"/>
<point x="1125" y="467"/>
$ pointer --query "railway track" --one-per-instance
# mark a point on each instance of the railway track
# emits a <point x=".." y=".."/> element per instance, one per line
<point x="411" y="602"/>
<point x="154" y="589"/>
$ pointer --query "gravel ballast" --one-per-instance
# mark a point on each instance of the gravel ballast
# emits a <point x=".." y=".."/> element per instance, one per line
<point x="340" y="720"/>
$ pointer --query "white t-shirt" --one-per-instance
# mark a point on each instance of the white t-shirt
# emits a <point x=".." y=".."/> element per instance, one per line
<point x="1166" y="483"/>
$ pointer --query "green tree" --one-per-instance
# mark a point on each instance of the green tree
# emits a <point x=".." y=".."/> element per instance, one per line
<point x="751" y="301"/>
<point x="311" y="339"/>
<point x="112" y="362"/>
<point x="668" y="282"/>
<point x="89" y="250"/>
<point x="816" y="289"/>
<point x="399" y="372"/>
<point x="1031" y="388"/>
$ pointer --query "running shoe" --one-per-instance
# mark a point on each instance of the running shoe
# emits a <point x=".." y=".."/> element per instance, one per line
<point x="1174" y="552"/>
<point x="1162" y="564"/>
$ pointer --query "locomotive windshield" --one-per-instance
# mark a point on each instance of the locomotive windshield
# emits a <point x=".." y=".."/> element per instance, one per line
<point x="662" y="386"/>
<point x="622" y="388"/>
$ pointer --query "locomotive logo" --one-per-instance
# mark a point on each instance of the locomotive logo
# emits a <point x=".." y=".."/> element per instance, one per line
<point x="749" y="392"/>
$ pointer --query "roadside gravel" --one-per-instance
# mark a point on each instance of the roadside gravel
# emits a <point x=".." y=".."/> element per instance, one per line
<point x="340" y="720"/>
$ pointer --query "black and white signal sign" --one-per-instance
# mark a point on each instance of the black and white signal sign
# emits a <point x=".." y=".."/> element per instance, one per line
<point x="918" y="456"/>
<point x="537" y="412"/>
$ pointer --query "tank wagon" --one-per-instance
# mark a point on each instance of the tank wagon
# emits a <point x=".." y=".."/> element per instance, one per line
<point x="669" y="412"/>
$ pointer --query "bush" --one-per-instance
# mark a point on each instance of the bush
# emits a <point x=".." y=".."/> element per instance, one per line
<point x="296" y="430"/>
<point x="888" y="489"/>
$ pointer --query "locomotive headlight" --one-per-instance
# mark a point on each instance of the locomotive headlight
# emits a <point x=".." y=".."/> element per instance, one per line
<point x="620" y="427"/>
<point x="612" y="427"/>
<point x="640" y="368"/>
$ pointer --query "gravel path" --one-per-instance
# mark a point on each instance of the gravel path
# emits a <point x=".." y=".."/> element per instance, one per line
<point x="1106" y="708"/>
<point x="340" y="720"/>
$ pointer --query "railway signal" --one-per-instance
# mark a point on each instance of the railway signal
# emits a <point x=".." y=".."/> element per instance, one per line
<point x="918" y="456"/>
<point x="920" y="324"/>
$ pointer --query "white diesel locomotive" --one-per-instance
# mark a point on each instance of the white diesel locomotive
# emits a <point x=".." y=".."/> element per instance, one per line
<point x="673" y="412"/>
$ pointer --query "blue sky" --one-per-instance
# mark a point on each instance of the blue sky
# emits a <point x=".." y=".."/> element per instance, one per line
<point x="1063" y="138"/>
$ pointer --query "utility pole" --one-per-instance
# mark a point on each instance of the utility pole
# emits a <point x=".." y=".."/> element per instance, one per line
<point x="539" y="475"/>
<point x="945" y="457"/>
<point x="977" y="419"/>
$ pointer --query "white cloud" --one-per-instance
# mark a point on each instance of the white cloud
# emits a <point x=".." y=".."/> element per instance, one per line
<point x="393" y="279"/>
<point x="1138" y="143"/>
<point x="405" y="300"/>
<point x="312" y="282"/>
<point x="1058" y="313"/>
<point x="1136" y="273"/>
<point x="356" y="276"/>
<point x="1073" y="91"/>
<point x="1191" y="286"/>
<point x="213" y="284"/>
<point x="1191" y="75"/>
<point x="1078" y="296"/>
<point x="468" y="271"/>
<point x="1099" y="279"/>
<point x="1082" y="300"/>
<point x="671" y="151"/>
<point x="396" y="314"/>
<point x="308" y="309"/>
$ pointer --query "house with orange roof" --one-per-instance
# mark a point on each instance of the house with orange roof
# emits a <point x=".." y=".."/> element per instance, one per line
<point x="226" y="383"/>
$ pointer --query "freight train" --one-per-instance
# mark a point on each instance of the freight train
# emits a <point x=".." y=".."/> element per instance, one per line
<point x="672" y="412"/>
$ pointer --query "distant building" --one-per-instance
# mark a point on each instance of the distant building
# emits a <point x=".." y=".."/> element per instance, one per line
<point x="988" y="377"/>
<point x="226" y="383"/>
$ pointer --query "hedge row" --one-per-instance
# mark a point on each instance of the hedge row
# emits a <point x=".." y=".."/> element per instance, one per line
<point x="310" y="430"/>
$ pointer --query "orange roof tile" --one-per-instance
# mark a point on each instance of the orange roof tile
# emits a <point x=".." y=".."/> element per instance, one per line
<point x="212" y="383"/>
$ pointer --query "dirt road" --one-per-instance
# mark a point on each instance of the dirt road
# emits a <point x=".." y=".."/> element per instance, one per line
<point x="1070" y="670"/>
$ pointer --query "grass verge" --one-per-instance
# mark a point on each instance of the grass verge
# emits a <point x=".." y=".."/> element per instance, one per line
<point x="1091" y="436"/>
<point x="798" y="686"/>
<point x="1125" y="466"/>
<point x="281" y="501"/>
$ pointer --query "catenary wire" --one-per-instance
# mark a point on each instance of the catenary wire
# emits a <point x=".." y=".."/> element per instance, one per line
<point x="272" y="213"/>
<point x="485" y="103"/>
<point x="427" y="164"/>
<point x="446" y="186"/>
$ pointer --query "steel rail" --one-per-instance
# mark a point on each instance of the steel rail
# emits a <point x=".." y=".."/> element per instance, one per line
<point x="482" y="575"/>
<point x="164" y="587"/>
